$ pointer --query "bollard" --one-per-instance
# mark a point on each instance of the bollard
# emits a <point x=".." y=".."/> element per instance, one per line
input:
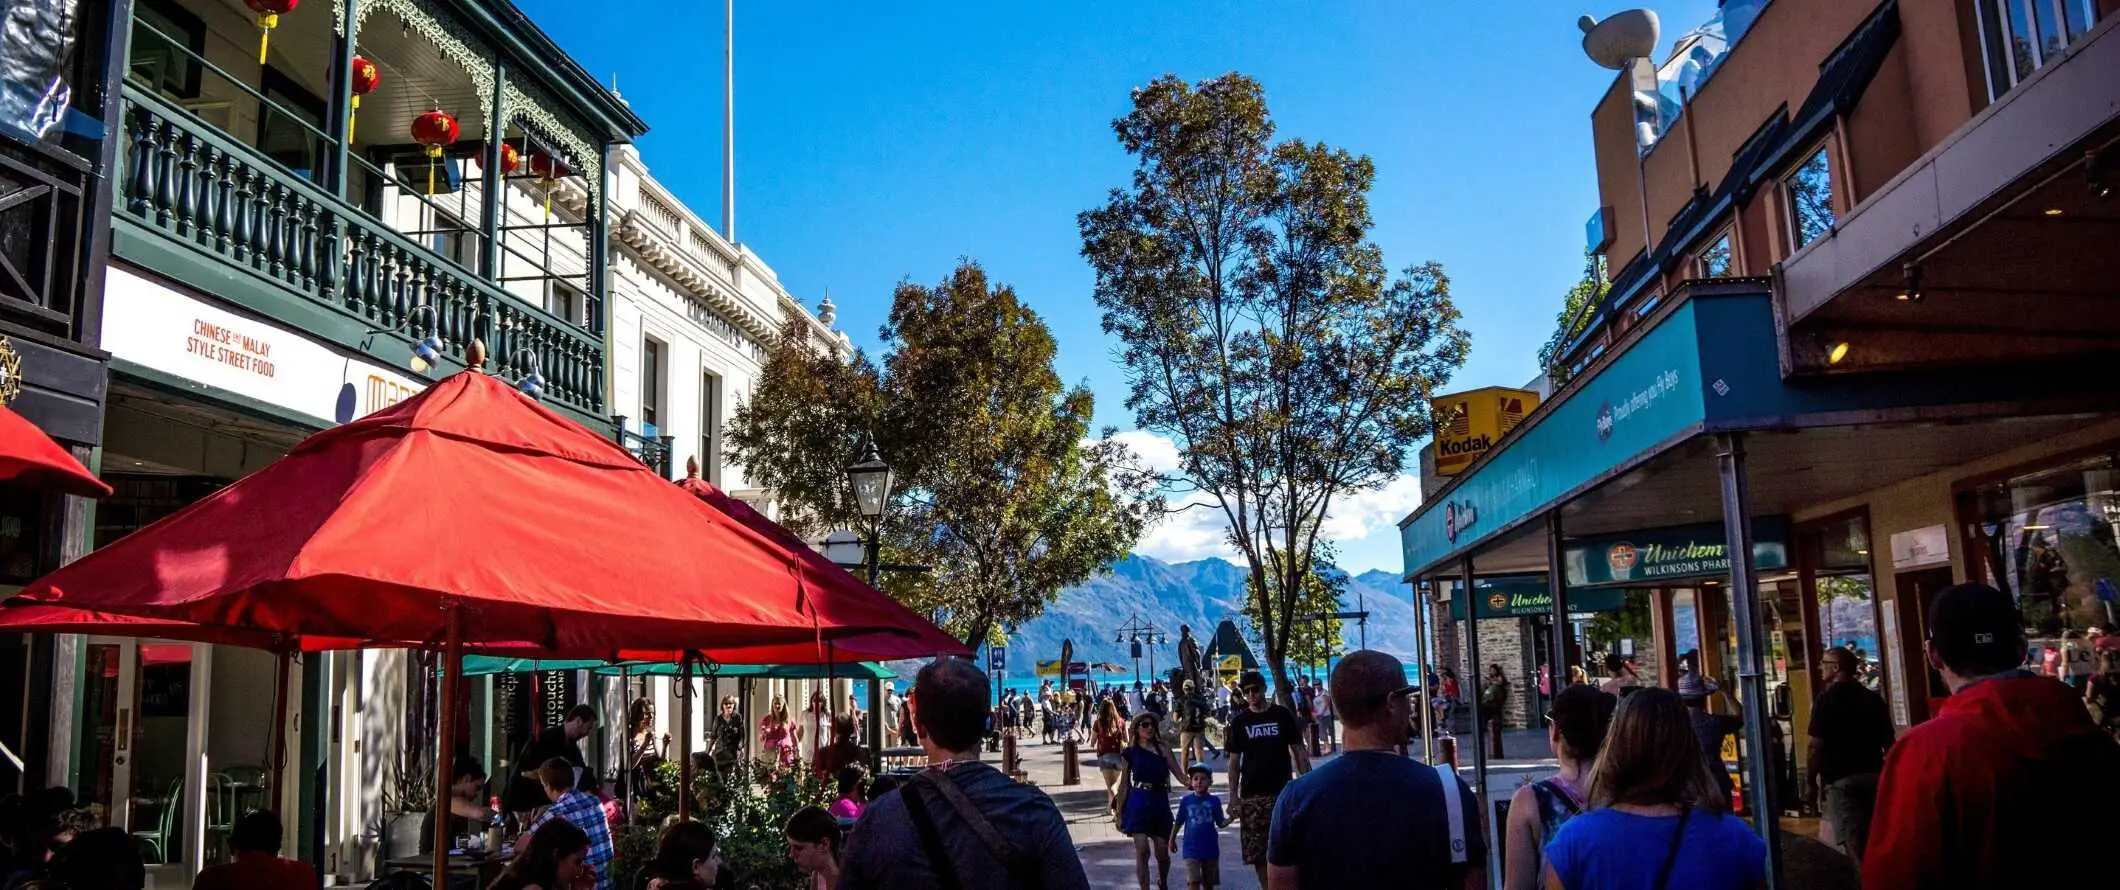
<point x="1008" y="752"/>
<point x="1070" y="762"/>
<point x="1446" y="750"/>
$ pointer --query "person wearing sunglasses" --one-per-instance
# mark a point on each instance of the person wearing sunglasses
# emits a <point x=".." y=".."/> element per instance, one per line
<point x="1265" y="745"/>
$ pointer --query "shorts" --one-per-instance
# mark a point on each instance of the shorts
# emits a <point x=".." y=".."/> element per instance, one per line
<point x="1256" y="811"/>
<point x="1191" y="737"/>
<point x="1108" y="761"/>
<point x="1204" y="872"/>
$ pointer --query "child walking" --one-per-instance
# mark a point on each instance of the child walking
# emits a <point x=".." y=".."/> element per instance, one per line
<point x="1200" y="817"/>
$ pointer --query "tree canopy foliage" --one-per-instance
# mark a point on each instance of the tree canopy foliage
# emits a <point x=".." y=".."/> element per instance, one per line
<point x="1574" y="317"/>
<point x="1258" y="325"/>
<point x="1000" y="489"/>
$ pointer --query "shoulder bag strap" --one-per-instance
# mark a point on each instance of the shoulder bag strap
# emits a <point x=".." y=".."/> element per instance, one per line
<point x="1453" y="813"/>
<point x="980" y="825"/>
<point x="930" y="838"/>
<point x="1663" y="875"/>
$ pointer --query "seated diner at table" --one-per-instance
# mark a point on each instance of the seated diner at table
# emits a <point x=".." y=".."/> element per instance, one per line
<point x="466" y="812"/>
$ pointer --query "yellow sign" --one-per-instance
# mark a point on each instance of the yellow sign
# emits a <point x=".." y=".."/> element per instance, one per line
<point x="1469" y="423"/>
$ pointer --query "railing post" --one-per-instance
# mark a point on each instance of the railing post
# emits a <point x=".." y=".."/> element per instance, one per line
<point x="342" y="97"/>
<point x="495" y="181"/>
<point x="600" y="244"/>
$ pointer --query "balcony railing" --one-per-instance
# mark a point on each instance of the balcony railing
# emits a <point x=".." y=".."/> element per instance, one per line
<point x="196" y="185"/>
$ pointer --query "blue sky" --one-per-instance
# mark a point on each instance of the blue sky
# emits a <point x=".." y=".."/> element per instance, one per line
<point x="881" y="141"/>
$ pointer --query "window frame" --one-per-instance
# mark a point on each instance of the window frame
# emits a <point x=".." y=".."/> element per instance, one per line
<point x="1726" y="239"/>
<point x="283" y="95"/>
<point x="1997" y="29"/>
<point x="193" y="35"/>
<point x="1791" y="208"/>
<point x="654" y="355"/>
<point x="710" y="402"/>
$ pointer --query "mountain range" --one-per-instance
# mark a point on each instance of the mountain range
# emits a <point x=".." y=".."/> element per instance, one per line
<point x="1201" y="594"/>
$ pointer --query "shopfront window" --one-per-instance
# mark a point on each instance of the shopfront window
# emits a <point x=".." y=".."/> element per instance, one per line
<point x="2049" y="539"/>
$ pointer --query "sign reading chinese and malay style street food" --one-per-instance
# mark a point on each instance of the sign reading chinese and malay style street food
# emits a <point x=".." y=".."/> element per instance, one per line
<point x="1469" y="423"/>
<point x="1522" y="596"/>
<point x="1668" y="554"/>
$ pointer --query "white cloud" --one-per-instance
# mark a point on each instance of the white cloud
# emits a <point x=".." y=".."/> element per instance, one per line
<point x="1202" y="531"/>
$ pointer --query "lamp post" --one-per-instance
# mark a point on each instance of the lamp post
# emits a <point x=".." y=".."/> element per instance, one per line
<point x="1137" y="632"/>
<point x="870" y="478"/>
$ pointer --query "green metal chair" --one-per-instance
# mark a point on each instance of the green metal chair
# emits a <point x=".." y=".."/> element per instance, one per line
<point x="163" y="834"/>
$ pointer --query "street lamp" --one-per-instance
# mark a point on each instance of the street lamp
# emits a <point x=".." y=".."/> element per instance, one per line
<point x="1137" y="632"/>
<point x="870" y="478"/>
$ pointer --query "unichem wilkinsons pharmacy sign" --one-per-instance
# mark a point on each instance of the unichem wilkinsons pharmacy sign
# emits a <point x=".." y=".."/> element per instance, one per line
<point x="1665" y="554"/>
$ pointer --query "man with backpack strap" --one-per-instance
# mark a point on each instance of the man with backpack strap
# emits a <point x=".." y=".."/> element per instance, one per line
<point x="959" y="824"/>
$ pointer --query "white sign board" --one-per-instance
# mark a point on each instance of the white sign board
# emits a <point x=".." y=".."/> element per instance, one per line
<point x="1921" y="547"/>
<point x="1894" y="660"/>
<point x="152" y="325"/>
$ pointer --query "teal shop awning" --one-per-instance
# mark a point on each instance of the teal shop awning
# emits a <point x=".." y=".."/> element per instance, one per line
<point x="1527" y="595"/>
<point x="484" y="665"/>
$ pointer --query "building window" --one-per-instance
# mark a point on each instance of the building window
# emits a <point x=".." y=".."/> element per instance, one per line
<point x="710" y="427"/>
<point x="1809" y="194"/>
<point x="291" y="125"/>
<point x="2021" y="36"/>
<point x="651" y="380"/>
<point x="1715" y="261"/>
<point x="167" y="43"/>
<point x="2048" y="539"/>
<point x="564" y="300"/>
<point x="449" y="237"/>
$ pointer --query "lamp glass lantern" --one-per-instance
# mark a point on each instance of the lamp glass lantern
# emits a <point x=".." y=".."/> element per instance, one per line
<point x="871" y="479"/>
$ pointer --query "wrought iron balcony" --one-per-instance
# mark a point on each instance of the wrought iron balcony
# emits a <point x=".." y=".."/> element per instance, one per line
<point x="651" y="450"/>
<point x="199" y="187"/>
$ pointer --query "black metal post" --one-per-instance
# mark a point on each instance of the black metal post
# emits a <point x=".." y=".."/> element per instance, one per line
<point x="1423" y="655"/>
<point x="874" y="559"/>
<point x="1472" y="677"/>
<point x="600" y="248"/>
<point x="1751" y="677"/>
<point x="342" y="53"/>
<point x="495" y="182"/>
<point x="1557" y="583"/>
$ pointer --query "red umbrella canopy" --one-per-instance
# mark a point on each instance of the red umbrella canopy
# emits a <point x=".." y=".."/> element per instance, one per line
<point x="29" y="456"/>
<point x="21" y="617"/>
<point x="471" y="497"/>
<point x="841" y="596"/>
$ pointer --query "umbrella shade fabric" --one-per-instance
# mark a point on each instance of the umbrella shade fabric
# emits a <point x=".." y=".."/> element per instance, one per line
<point x="30" y="457"/>
<point x="468" y="498"/>
<point x="44" y="618"/>
<point x="849" y="601"/>
<point x="482" y="665"/>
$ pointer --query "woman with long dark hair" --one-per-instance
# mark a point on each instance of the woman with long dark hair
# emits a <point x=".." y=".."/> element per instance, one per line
<point x="1109" y="735"/>
<point x="553" y="859"/>
<point x="1657" y="819"/>
<point x="686" y="858"/>
<point x="1575" y="728"/>
<point x="1145" y="769"/>
<point x="815" y="845"/>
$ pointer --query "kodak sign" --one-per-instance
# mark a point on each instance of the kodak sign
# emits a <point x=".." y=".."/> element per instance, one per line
<point x="1470" y="424"/>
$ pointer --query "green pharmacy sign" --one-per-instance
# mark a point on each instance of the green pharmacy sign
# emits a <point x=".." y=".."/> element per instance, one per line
<point x="1669" y="554"/>
<point x="1528" y="595"/>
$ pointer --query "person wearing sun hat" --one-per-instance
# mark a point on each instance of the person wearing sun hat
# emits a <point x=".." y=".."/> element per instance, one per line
<point x="1974" y="796"/>
<point x="1710" y="728"/>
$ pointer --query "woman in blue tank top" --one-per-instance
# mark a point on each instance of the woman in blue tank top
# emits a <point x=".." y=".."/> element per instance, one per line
<point x="1144" y="810"/>
<point x="1575" y="727"/>
<point x="1657" y="820"/>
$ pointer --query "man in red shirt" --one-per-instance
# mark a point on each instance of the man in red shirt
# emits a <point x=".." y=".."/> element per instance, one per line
<point x="258" y="864"/>
<point x="1973" y="797"/>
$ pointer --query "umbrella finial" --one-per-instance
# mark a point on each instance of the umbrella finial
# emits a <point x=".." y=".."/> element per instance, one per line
<point x="692" y="467"/>
<point x="475" y="355"/>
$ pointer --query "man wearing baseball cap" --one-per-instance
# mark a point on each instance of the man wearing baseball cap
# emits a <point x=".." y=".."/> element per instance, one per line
<point x="1974" y="796"/>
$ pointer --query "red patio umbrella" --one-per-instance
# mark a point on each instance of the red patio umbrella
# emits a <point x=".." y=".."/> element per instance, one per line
<point x="466" y="513"/>
<point x="29" y="456"/>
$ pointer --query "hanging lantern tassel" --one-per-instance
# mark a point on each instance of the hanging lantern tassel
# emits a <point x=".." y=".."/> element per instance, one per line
<point x="549" y="171"/>
<point x="365" y="78"/>
<point x="269" y="12"/>
<point x="436" y="130"/>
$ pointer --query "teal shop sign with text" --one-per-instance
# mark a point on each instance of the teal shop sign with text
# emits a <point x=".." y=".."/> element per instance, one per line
<point x="1670" y="554"/>
<point x="1528" y="595"/>
<point x="1646" y="397"/>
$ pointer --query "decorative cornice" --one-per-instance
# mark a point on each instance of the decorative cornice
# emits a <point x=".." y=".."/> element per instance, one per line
<point x="653" y="247"/>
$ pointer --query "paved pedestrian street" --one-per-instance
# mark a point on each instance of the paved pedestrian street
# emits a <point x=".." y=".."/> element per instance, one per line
<point x="1108" y="856"/>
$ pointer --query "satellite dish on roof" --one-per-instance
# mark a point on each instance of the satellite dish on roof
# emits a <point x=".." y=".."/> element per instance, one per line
<point x="1620" y="38"/>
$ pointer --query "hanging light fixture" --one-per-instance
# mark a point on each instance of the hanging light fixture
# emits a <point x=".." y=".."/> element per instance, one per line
<point x="436" y="130"/>
<point x="269" y="12"/>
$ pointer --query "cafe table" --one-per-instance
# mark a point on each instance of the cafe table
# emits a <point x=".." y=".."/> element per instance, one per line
<point x="481" y="868"/>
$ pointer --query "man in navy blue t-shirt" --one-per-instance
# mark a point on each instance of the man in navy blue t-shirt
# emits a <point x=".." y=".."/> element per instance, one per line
<point x="1373" y="817"/>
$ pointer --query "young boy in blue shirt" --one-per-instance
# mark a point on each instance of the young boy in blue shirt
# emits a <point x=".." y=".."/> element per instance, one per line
<point x="1200" y="816"/>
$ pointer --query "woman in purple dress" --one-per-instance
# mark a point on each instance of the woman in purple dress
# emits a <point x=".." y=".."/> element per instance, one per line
<point x="1145" y="768"/>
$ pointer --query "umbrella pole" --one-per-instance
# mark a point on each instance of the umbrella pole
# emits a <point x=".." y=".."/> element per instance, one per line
<point x="684" y="740"/>
<point x="452" y="677"/>
<point x="279" y="722"/>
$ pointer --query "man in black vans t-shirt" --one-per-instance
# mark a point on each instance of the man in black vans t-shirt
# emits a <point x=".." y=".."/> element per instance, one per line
<point x="1265" y="747"/>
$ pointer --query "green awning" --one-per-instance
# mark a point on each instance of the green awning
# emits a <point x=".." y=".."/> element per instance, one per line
<point x="483" y="665"/>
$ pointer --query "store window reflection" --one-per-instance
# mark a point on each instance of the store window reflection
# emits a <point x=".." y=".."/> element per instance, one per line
<point x="2048" y="538"/>
<point x="1846" y="594"/>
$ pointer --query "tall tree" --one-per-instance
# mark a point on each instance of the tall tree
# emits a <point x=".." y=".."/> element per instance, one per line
<point x="1259" y="328"/>
<point x="1311" y="641"/>
<point x="1000" y="490"/>
<point x="1574" y="317"/>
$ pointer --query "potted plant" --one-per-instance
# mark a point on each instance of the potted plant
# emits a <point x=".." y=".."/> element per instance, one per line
<point x="407" y="800"/>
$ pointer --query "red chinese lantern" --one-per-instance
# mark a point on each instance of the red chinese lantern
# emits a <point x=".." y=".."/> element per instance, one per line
<point x="549" y="170"/>
<point x="269" y="12"/>
<point x="365" y="78"/>
<point x="510" y="159"/>
<point x="436" y="130"/>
